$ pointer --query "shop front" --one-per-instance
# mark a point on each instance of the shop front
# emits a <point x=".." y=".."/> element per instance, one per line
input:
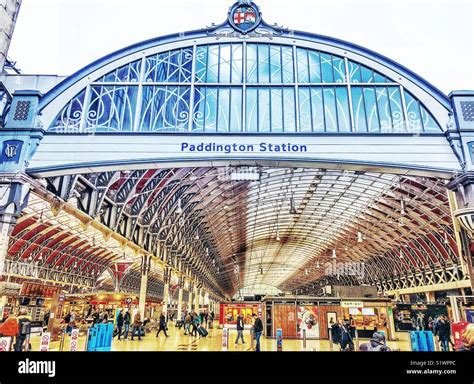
<point x="229" y="312"/>
<point x="312" y="317"/>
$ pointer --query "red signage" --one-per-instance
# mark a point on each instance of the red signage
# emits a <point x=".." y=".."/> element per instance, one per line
<point x="45" y="339"/>
<point x="74" y="340"/>
<point x="39" y="290"/>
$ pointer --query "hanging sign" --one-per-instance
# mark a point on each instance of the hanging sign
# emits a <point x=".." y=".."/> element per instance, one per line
<point x="352" y="304"/>
<point x="45" y="339"/>
<point x="225" y="339"/>
<point x="74" y="340"/>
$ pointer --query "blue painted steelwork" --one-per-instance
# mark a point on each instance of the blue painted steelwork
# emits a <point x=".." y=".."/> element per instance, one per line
<point x="283" y="89"/>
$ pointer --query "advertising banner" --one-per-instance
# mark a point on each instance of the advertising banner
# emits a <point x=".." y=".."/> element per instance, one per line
<point x="74" y="340"/>
<point x="308" y="321"/>
<point x="457" y="331"/>
<point x="5" y="344"/>
<point x="45" y="339"/>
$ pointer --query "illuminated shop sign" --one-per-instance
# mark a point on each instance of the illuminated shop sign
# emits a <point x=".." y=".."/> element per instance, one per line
<point x="212" y="147"/>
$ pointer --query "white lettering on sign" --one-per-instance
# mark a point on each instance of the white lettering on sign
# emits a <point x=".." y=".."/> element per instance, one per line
<point x="45" y="339"/>
<point x="352" y="304"/>
<point x="74" y="340"/>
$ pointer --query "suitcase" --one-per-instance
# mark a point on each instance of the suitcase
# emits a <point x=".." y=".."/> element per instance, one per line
<point x="202" y="331"/>
<point x="423" y="343"/>
<point x="414" y="341"/>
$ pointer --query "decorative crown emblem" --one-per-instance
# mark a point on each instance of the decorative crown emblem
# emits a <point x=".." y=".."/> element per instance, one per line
<point x="244" y="16"/>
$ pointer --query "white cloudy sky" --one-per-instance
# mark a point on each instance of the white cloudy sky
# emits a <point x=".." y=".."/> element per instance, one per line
<point x="432" y="37"/>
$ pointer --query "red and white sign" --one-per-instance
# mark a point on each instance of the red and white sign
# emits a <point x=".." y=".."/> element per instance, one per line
<point x="225" y="339"/>
<point x="5" y="344"/>
<point x="45" y="339"/>
<point x="74" y="340"/>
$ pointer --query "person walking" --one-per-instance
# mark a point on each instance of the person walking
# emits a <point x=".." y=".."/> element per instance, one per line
<point x="162" y="326"/>
<point x="252" y="333"/>
<point x="187" y="323"/>
<point x="137" y="325"/>
<point x="24" y="329"/>
<point x="346" y="338"/>
<point x="443" y="331"/>
<point x="126" y="323"/>
<point x="120" y="322"/>
<point x="195" y="324"/>
<point x="258" y="325"/>
<point x="240" y="329"/>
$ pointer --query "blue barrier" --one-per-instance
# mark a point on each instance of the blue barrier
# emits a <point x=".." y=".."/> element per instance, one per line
<point x="422" y="341"/>
<point x="100" y="337"/>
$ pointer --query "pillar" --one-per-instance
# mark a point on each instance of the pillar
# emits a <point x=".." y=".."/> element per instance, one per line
<point x="430" y="297"/>
<point x="166" y="291"/>
<point x="180" y="298"/>
<point x="145" y="269"/>
<point x="19" y="140"/>
<point x="190" y="297"/>
<point x="14" y="193"/>
<point x="197" y="300"/>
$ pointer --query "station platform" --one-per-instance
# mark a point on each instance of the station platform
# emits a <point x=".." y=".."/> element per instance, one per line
<point x="177" y="341"/>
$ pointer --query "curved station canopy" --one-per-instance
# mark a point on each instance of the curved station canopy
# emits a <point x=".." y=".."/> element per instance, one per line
<point x="245" y="158"/>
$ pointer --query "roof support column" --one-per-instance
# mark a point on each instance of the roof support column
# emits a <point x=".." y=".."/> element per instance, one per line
<point x="190" y="296"/>
<point x="14" y="193"/>
<point x="197" y="299"/>
<point x="145" y="269"/>
<point x="461" y="203"/>
<point x="166" y="291"/>
<point x="180" y="297"/>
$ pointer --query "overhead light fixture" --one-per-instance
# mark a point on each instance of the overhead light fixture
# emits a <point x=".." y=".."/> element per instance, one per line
<point x="403" y="212"/>
<point x="401" y="254"/>
<point x="29" y="258"/>
<point x="446" y="238"/>
<point x="197" y="236"/>
<point x="359" y="237"/>
<point x="317" y="264"/>
<point x="179" y="210"/>
<point x="75" y="265"/>
<point x="277" y="238"/>
<point x="40" y="256"/>
<point x="260" y="270"/>
<point x="334" y="253"/>
<point x="306" y="271"/>
<point x="292" y="206"/>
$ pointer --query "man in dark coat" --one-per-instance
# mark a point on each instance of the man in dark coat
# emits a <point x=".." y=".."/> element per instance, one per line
<point x="162" y="325"/>
<point x="240" y="329"/>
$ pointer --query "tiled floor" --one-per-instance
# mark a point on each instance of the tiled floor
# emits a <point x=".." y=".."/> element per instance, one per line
<point x="177" y="341"/>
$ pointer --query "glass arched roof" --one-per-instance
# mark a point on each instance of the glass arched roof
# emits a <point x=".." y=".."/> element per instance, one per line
<point x="244" y="87"/>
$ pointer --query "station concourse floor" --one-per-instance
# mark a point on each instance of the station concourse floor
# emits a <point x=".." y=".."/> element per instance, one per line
<point x="177" y="341"/>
